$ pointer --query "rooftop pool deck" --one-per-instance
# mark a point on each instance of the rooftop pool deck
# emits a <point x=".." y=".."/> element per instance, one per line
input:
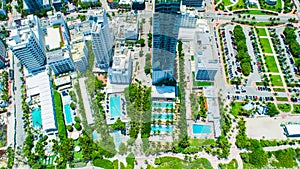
<point x="156" y="104"/>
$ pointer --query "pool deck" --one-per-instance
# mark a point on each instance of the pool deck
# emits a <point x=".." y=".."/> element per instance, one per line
<point x="123" y="117"/>
<point x="200" y="136"/>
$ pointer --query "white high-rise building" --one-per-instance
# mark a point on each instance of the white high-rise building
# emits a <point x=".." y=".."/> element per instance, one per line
<point x="26" y="43"/>
<point x="102" y="39"/>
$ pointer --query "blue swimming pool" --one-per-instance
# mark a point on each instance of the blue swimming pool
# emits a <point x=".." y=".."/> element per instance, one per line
<point x="36" y="117"/>
<point x="117" y="139"/>
<point x="162" y="129"/>
<point x="162" y="105"/>
<point x="115" y="106"/>
<point x="201" y="129"/>
<point x="68" y="114"/>
<point x="165" y="116"/>
<point x="95" y="135"/>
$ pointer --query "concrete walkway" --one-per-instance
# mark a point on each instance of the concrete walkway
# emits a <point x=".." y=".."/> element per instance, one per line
<point x="86" y="102"/>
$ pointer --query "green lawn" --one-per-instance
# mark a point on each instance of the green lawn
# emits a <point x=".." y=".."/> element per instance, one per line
<point x="239" y="5"/>
<point x="226" y="2"/>
<point x="59" y="115"/>
<point x="201" y="142"/>
<point x="260" y="83"/>
<point x="285" y="99"/>
<point x="236" y="107"/>
<point x="233" y="164"/>
<point x="284" y="107"/>
<point x="174" y="162"/>
<point x="271" y="64"/>
<point x="276" y="80"/>
<point x="255" y="12"/>
<point x="278" y="89"/>
<point x="266" y="47"/>
<point x="261" y="32"/>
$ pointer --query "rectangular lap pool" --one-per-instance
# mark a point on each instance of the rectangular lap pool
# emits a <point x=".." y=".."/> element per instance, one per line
<point x="162" y="129"/>
<point x="115" y="106"/>
<point x="36" y="117"/>
<point x="162" y="105"/>
<point x="201" y="129"/>
<point x="68" y="114"/>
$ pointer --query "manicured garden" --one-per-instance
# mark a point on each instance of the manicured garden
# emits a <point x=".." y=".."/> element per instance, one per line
<point x="279" y="89"/>
<point x="242" y="50"/>
<point x="239" y="5"/>
<point x="284" y="107"/>
<point x="261" y="31"/>
<point x="233" y="164"/>
<point x="296" y="109"/>
<point x="266" y="47"/>
<point x="276" y="80"/>
<point x="174" y="162"/>
<point x="226" y="2"/>
<point x="276" y="8"/>
<point x="271" y="64"/>
<point x="284" y="99"/>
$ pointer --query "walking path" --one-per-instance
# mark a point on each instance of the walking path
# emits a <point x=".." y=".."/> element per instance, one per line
<point x="86" y="101"/>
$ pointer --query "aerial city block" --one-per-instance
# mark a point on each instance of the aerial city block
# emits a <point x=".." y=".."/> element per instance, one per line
<point x="149" y="84"/>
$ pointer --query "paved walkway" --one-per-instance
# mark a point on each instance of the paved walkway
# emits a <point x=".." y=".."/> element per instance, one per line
<point x="86" y="102"/>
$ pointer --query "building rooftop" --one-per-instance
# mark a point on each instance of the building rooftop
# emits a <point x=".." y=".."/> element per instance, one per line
<point x="77" y="50"/>
<point x="62" y="80"/>
<point x="293" y="129"/>
<point x="53" y="39"/>
<point x="203" y="51"/>
<point x="163" y="92"/>
<point x="57" y="55"/>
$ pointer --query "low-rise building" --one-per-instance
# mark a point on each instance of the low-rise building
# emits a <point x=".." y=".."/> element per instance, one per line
<point x="206" y="66"/>
<point x="39" y="86"/>
<point x="138" y="4"/>
<point x="121" y="70"/>
<point x="127" y="27"/>
<point x="292" y="130"/>
<point x="163" y="93"/>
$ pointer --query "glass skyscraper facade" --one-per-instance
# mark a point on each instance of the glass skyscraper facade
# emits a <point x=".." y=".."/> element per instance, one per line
<point x="166" y="22"/>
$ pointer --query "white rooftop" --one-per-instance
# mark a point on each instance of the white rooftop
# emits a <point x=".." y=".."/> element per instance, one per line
<point x="293" y="129"/>
<point x="39" y="84"/>
<point x="53" y="38"/>
<point x="62" y="80"/>
<point x="163" y="92"/>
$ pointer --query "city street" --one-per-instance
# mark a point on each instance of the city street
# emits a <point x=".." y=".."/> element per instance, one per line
<point x="19" y="125"/>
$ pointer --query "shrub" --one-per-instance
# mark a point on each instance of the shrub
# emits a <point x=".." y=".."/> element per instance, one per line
<point x="77" y="126"/>
<point x="69" y="128"/>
